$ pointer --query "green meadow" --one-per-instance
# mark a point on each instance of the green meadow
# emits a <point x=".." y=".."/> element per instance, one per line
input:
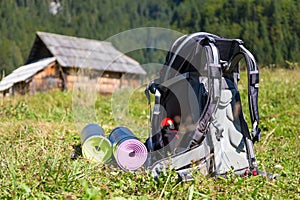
<point x="40" y="154"/>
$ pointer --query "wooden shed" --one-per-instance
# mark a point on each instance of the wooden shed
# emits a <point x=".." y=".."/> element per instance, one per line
<point x="58" y="62"/>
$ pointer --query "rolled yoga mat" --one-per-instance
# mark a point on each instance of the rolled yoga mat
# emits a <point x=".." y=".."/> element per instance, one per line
<point x="129" y="152"/>
<point x="95" y="146"/>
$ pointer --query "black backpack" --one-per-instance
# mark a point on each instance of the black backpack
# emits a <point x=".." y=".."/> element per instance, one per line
<point x="197" y="118"/>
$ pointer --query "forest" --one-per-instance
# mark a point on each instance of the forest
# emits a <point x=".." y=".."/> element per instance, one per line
<point x="269" y="28"/>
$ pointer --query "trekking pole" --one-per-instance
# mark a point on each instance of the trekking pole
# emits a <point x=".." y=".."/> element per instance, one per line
<point x="149" y="145"/>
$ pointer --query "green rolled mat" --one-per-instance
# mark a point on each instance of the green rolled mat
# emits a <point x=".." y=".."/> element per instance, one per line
<point x="95" y="146"/>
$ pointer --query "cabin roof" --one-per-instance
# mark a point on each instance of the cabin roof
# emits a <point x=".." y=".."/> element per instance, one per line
<point x="24" y="73"/>
<point x="83" y="53"/>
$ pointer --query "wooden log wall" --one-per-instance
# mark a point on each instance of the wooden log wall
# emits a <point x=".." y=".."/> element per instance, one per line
<point x="102" y="82"/>
<point x="50" y="79"/>
<point x="53" y="78"/>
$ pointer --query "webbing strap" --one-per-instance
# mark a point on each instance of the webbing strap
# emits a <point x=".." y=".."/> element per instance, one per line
<point x="253" y="84"/>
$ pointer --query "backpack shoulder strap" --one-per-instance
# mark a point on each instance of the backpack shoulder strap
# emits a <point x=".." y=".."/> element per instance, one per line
<point x="214" y="85"/>
<point x="253" y="84"/>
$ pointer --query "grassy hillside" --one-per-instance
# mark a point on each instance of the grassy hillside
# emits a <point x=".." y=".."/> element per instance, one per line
<point x="39" y="137"/>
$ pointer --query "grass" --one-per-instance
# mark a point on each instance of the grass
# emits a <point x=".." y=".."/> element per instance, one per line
<point x="39" y="135"/>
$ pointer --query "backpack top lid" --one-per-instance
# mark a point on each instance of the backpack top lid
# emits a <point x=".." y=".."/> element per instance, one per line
<point x="186" y="55"/>
<point x="183" y="56"/>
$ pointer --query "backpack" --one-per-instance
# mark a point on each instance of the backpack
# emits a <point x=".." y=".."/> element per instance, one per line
<point x="197" y="121"/>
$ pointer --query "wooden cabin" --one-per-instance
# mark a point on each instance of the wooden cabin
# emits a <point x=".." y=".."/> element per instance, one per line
<point x="59" y="62"/>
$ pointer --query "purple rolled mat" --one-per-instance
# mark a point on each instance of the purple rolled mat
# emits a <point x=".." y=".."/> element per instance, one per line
<point x="129" y="152"/>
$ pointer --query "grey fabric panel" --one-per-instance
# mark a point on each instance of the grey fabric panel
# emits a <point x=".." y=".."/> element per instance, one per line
<point x="199" y="156"/>
<point x="199" y="153"/>
<point x="230" y="150"/>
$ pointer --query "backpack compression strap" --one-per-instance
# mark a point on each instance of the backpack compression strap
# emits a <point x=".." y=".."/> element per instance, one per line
<point x="253" y="84"/>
